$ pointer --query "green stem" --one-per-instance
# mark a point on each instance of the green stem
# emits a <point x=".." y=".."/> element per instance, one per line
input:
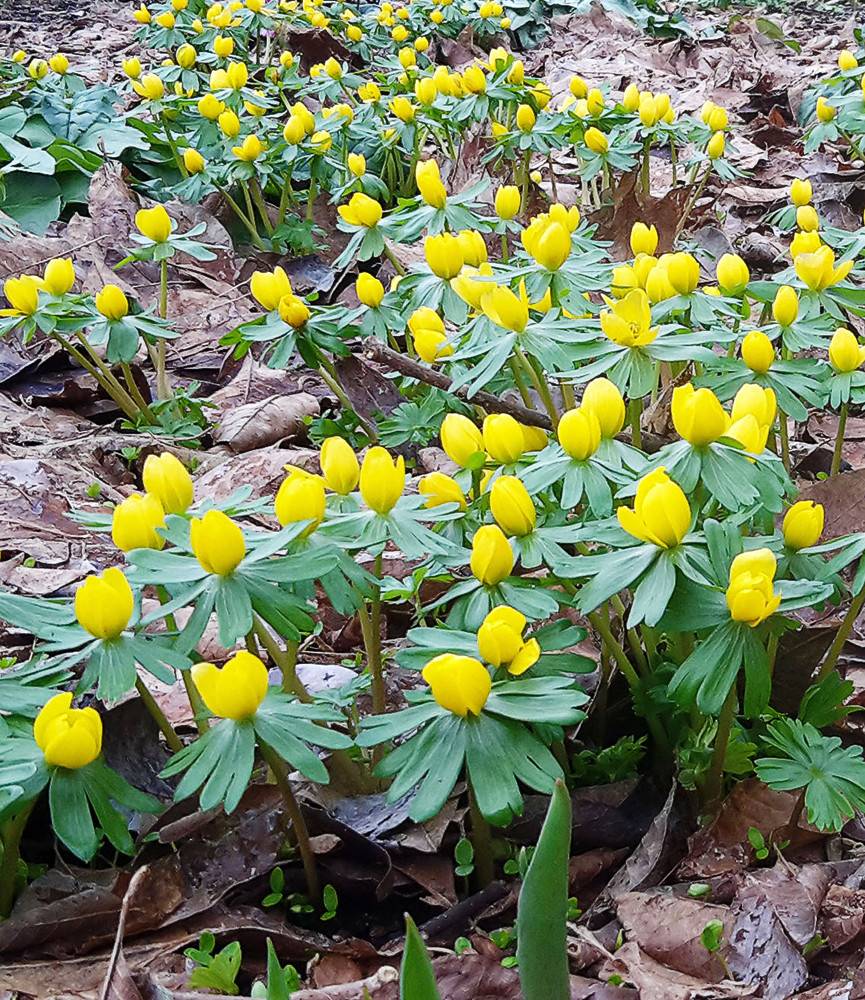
<point x="524" y="181"/>
<point x="285" y="659"/>
<point x="331" y="380"/>
<point x="301" y="833"/>
<point x="635" y="412"/>
<point x="506" y="253"/>
<point x="163" y="387"/>
<point x="196" y="702"/>
<point x="839" y="440"/>
<point x="258" y="198"/>
<point x="693" y="199"/>
<point x="121" y="398"/>
<point x="158" y="716"/>
<point x="841" y="636"/>
<point x="784" y="435"/>
<point x="541" y="387"/>
<point x="107" y="378"/>
<point x="391" y="256"/>
<point x="645" y="171"/>
<point x="520" y="384"/>
<point x="248" y="224"/>
<point x="674" y="160"/>
<point x="482" y="841"/>
<point x="310" y="199"/>
<point x="715" y="778"/>
<point x="136" y="394"/>
<point x="370" y="624"/>
<point x="172" y="145"/>
<point x="11" y="832"/>
<point x="772" y="653"/>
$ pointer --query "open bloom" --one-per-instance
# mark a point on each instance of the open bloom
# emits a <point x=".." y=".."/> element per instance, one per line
<point x="300" y="498"/>
<point x="817" y="270"/>
<point x="512" y="507"/>
<point x="501" y="643"/>
<point x="165" y="477"/>
<point x="249" y="150"/>
<point x="803" y="524"/>
<point x="579" y="432"/>
<point x="382" y="479"/>
<point x="661" y="514"/>
<point x="104" y="604"/>
<point x="134" y="523"/>
<point x="460" y="684"/>
<point x="236" y="690"/>
<point x="751" y="595"/>
<point x="628" y="321"/>
<point x="361" y="210"/>
<point x="429" y="183"/>
<point x="460" y="438"/>
<point x="339" y="465"/>
<point x="22" y="294"/>
<point x="217" y="542"/>
<point x="698" y="415"/>
<point x="68" y="737"/>
<point x="492" y="558"/>
<point x="154" y="223"/>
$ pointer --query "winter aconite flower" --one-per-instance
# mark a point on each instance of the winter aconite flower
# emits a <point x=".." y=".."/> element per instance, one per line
<point x="817" y="270"/>
<point x="603" y="398"/>
<point x="501" y="643"/>
<point x="460" y="684"/>
<point x="507" y="202"/>
<point x="59" y="276"/>
<point x="134" y="523"/>
<point x="217" y="542"/>
<point x="236" y="690"/>
<point x="22" y="294"/>
<point x="382" y="479"/>
<point x="68" y="737"/>
<point x="165" y="477"/>
<point x="644" y="239"/>
<point x="361" y="210"/>
<point x="339" y="465"/>
<point x="803" y="524"/>
<point x="845" y="352"/>
<point x="429" y="183"/>
<point x="104" y="604"/>
<point x="492" y="558"/>
<point x="698" y="416"/>
<point x="503" y="438"/>
<point x="439" y="488"/>
<point x="785" y="306"/>
<point x="300" y="498"/>
<point x="751" y="597"/>
<point x="628" y="321"/>
<point x="661" y="514"/>
<point x="461" y="439"/>
<point x="512" y="507"/>
<point x="154" y="223"/>
<point x="758" y="352"/>
<point x="579" y="432"/>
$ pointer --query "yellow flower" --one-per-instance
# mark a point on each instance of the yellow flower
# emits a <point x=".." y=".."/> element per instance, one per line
<point x="758" y="352"/>
<point x="165" y="19"/>
<point x="333" y="68"/>
<point x="578" y="87"/>
<point x="357" y="164"/>
<point x="825" y="111"/>
<point x="269" y="287"/>
<point x="150" y="87"/>
<point x="552" y="247"/>
<point x="431" y="344"/>
<point x="845" y="351"/>
<point x="461" y="439"/>
<point x="142" y="15"/>
<point x="68" y="737"/>
<point x="644" y="239"/>
<point x="800" y="192"/>
<point x="660" y="514"/>
<point x="112" y="302"/>
<point x="339" y="465"/>
<point x="38" y="69"/>
<point x="210" y="107"/>
<point x="503" y="438"/>
<point x="504" y="308"/>
<point x="803" y="524"/>
<point x="382" y="480"/>
<point x="579" y="432"/>
<point x="749" y="433"/>
<point x="733" y="274"/>
<point x="369" y="290"/>
<point x="250" y="149"/>
<point x="293" y="310"/>
<point x="525" y="118"/>
<point x="59" y="63"/>
<point x="698" y="415"/>
<point x="361" y="210"/>
<point x="474" y="80"/>
<point x="473" y="247"/>
<point x="596" y="140"/>
<point x="595" y="101"/>
<point x="439" y="489"/>
<point x="369" y="92"/>
<point x="715" y="146"/>
<point x="785" y="306"/>
<point x="185" y="56"/>
<point x="507" y="202"/>
<point x="237" y="75"/>
<point x="104" y="604"/>
<point x="300" y="498"/>
<point x="426" y="91"/>
<point x="757" y="401"/>
<point x="154" y="223"/>
<point x="22" y="293"/>
<point x="165" y="477"/>
<point x="628" y="321"/>
<point x="134" y="523"/>
<point x="237" y="690"/>
<point x="403" y="108"/>
<point x="658" y="286"/>
<point x="804" y="242"/>
<point x="623" y="281"/>
<point x="683" y="272"/>
<point x="751" y="596"/>
<point x="512" y="507"/>
<point x="223" y="46"/>
<point x="132" y="68"/>
<point x="817" y="270"/>
<point x="846" y="60"/>
<point x="430" y="185"/>
<point x="460" y="684"/>
<point x="501" y="644"/>
<point x="217" y="542"/>
<point x="407" y="58"/>
<point x="602" y="398"/>
<point x="714" y="116"/>
<point x="229" y="124"/>
<point x="807" y="218"/>
<point x="492" y="558"/>
<point x="294" y="130"/>
<point x="444" y="255"/>
<point x="59" y="276"/>
<point x="535" y="438"/>
<point x="631" y="99"/>
<point x="193" y="161"/>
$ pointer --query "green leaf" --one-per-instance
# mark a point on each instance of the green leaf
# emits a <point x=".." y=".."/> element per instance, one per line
<point x="32" y="200"/>
<point x="277" y="987"/>
<point x="70" y="813"/>
<point x="542" y="908"/>
<point x="416" y="977"/>
<point x="824" y="703"/>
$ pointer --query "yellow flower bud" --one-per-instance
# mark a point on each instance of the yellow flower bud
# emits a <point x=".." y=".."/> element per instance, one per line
<point x="817" y="270"/>
<point x="698" y="415"/>
<point x="339" y="465"/>
<point x="500" y="641"/>
<point x="503" y="438"/>
<point x="134" y="523"/>
<point x="683" y="272"/>
<point x="715" y="146"/>
<point x="512" y="507"/>
<point x="111" y="302"/>
<point x="59" y="63"/>
<point x="800" y="192"/>
<point x="150" y="87"/>
<point x="660" y="515"/>
<point x="535" y="438"/>
<point x="578" y="87"/>
<point x="382" y="480"/>
<point x="758" y="352"/>
<point x="430" y="344"/>
<point x="217" y="542"/>
<point x="507" y="202"/>
<point x="825" y="111"/>
<point x="845" y="352"/>
<point x="269" y="287"/>
<point x="846" y="60"/>
<point x="249" y="150"/>
<point x="361" y="210"/>
<point x="185" y="56"/>
<point x="403" y="108"/>
<point x="223" y="46"/>
<point x="473" y="247"/>
<point x="757" y="401"/>
<point x="229" y="124"/>
<point x="132" y="68"/>
<point x="237" y="690"/>
<point x="631" y="99"/>
<point x="785" y="306"/>
<point x="644" y="239"/>
<point x="357" y="164"/>
<point x="193" y="161"/>
<point x="165" y="19"/>
<point x="602" y="398"/>
<point x="751" y="597"/>
<point x="460" y="684"/>
<point x="369" y="290"/>
<point x="474" y="80"/>
<point x="461" y="439"/>
<point x="624" y="280"/>
<point x="732" y="274"/>
<point x="165" y="477"/>
<point x="68" y="737"/>
<point x="552" y="247"/>
<point x="525" y="118"/>
<point x="444" y="255"/>
<point x="293" y="310"/>
<point x="803" y="524"/>
<point x="579" y="433"/>
<point x="492" y="558"/>
<point x="300" y="498"/>
<point x="154" y="223"/>
<point x="439" y="489"/>
<point x="38" y="69"/>
<point x="595" y="102"/>
<point x="430" y="185"/>
<point x="807" y="218"/>
<point x="19" y="56"/>
<point x="59" y="276"/>
<point x="104" y="604"/>
<point x="294" y="130"/>
<point x="210" y="107"/>
<point x="596" y="140"/>
<point x="142" y="15"/>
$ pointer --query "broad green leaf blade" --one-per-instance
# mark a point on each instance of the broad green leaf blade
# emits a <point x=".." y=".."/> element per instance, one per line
<point x="417" y="980"/>
<point x="542" y="909"/>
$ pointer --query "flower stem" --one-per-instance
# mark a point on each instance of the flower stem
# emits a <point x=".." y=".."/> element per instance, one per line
<point x="693" y="199"/>
<point x="370" y="624"/>
<point x="482" y="841"/>
<point x="715" y="778"/>
<point x="784" y="436"/>
<point x="506" y="253"/>
<point x="310" y="199"/>
<point x="11" y="832"/>
<point x="391" y="256"/>
<point x="635" y="412"/>
<point x="839" y="440"/>
<point x="520" y="383"/>
<point x="158" y="716"/>
<point x="331" y="380"/>
<point x="248" y="224"/>
<point x="258" y="198"/>
<point x="196" y="703"/>
<point x="172" y="145"/>
<point x="163" y="387"/>
<point x="841" y="636"/>
<point x="301" y="833"/>
<point x="135" y="393"/>
<point x="285" y="659"/>
<point x="121" y="398"/>
<point x="541" y="387"/>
